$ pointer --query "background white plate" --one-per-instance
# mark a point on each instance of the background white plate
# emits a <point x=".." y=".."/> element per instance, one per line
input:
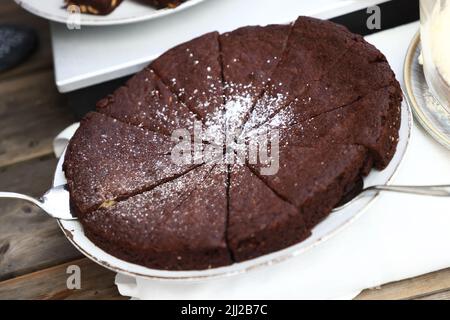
<point x="433" y="116"/>
<point x="326" y="229"/>
<point x="127" y="12"/>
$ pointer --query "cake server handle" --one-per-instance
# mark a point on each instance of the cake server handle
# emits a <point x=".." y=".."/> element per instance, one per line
<point x="436" y="191"/>
<point x="14" y="195"/>
<point x="55" y="202"/>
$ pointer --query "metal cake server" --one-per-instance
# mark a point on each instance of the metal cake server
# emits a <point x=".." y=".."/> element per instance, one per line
<point x="437" y="191"/>
<point x="55" y="202"/>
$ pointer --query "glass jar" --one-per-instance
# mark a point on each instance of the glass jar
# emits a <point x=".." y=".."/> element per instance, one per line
<point x="435" y="40"/>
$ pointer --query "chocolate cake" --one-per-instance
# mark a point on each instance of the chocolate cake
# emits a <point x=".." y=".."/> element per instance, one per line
<point x="104" y="7"/>
<point x="96" y="7"/>
<point x="328" y="96"/>
<point x="160" y="4"/>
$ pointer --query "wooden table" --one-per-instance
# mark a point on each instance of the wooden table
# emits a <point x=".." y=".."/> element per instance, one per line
<point x="34" y="254"/>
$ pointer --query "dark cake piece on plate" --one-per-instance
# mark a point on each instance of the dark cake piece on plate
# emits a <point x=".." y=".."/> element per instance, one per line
<point x="161" y="4"/>
<point x="193" y="71"/>
<point x="362" y="70"/>
<point x="372" y="121"/>
<point x="145" y="101"/>
<point x="107" y="160"/>
<point x="97" y="7"/>
<point x="316" y="179"/>
<point x="104" y="7"/>
<point x="180" y="225"/>
<point x="314" y="46"/>
<point x="259" y="221"/>
<point x="249" y="56"/>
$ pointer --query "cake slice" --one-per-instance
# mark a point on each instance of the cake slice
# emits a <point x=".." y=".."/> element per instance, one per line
<point x="179" y="225"/>
<point x="314" y="46"/>
<point x="97" y="7"/>
<point x="161" y="4"/>
<point x="259" y="221"/>
<point x="104" y="7"/>
<point x="193" y="72"/>
<point x="315" y="180"/>
<point x="372" y="121"/>
<point x="362" y="70"/>
<point x="249" y="56"/>
<point x="107" y="160"/>
<point x="145" y="101"/>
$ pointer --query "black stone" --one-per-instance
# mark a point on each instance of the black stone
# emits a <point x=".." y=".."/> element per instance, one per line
<point x="17" y="43"/>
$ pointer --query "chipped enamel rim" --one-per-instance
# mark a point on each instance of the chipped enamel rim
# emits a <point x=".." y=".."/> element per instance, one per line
<point x="328" y="228"/>
<point x="54" y="11"/>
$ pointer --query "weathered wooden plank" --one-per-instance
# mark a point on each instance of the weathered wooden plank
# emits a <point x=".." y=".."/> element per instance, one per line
<point x="11" y="13"/>
<point x="421" y="286"/>
<point x="32" y="177"/>
<point x="96" y="283"/>
<point x="32" y="113"/>
<point x="9" y="8"/>
<point x="29" y="239"/>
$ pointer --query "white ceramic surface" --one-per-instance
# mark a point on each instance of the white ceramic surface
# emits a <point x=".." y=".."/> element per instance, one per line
<point x="329" y="227"/>
<point x="81" y="60"/>
<point x="127" y="12"/>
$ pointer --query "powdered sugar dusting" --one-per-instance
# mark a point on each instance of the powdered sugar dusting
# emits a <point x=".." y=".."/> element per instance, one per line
<point x="244" y="116"/>
<point x="125" y="161"/>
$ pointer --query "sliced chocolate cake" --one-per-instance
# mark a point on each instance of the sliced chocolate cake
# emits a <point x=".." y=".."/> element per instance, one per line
<point x="328" y="97"/>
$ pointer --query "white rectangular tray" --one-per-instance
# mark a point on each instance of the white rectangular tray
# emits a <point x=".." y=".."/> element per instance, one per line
<point x="94" y="55"/>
